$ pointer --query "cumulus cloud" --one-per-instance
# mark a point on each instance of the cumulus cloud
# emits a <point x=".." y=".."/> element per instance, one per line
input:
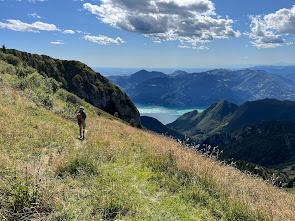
<point x="17" y="25"/>
<point x="263" y="35"/>
<point x="192" y="21"/>
<point x="283" y="20"/>
<point x="69" y="32"/>
<point x="103" y="40"/>
<point x="268" y="30"/>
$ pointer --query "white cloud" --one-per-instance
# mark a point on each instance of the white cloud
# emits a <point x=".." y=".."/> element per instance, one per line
<point x="192" y="21"/>
<point x="34" y="15"/>
<point x="200" y="48"/>
<point x="17" y="25"/>
<point x="195" y="48"/>
<point x="264" y="36"/>
<point x="184" y="46"/>
<point x="267" y="30"/>
<point x="283" y="20"/>
<point x="57" y="42"/>
<point x="69" y="32"/>
<point x="104" y="40"/>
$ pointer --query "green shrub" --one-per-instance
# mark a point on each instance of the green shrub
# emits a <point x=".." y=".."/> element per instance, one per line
<point x="132" y="122"/>
<point x="6" y="68"/>
<point x="22" y="198"/>
<point x="9" y="58"/>
<point x="41" y="98"/>
<point x="24" y="71"/>
<point x="68" y="97"/>
<point x="37" y="81"/>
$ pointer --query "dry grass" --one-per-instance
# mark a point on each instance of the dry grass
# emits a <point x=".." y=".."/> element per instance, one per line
<point x="119" y="172"/>
<point x="255" y="194"/>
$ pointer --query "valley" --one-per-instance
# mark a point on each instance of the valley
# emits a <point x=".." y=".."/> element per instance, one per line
<point x="258" y="131"/>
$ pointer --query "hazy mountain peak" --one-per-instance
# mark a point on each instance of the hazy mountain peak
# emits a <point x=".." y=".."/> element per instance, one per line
<point x="144" y="75"/>
<point x="178" y="73"/>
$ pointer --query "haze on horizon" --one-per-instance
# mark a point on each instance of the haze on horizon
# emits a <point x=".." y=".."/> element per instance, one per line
<point x="153" y="33"/>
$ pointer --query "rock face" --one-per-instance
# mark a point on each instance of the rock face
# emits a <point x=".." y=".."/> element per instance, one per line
<point x="81" y="80"/>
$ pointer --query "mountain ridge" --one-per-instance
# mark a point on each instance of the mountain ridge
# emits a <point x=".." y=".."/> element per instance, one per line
<point x="214" y="120"/>
<point x="205" y="88"/>
<point x="80" y="79"/>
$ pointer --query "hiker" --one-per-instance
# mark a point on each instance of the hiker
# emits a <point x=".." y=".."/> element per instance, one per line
<point x="81" y="117"/>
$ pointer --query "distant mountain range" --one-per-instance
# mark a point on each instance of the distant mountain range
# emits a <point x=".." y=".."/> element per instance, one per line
<point x="202" y="89"/>
<point x="290" y="69"/>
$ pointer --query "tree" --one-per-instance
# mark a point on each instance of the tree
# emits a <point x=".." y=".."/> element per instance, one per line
<point x="132" y="122"/>
<point x="4" y="49"/>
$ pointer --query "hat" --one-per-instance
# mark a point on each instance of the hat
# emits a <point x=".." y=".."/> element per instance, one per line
<point x="82" y="107"/>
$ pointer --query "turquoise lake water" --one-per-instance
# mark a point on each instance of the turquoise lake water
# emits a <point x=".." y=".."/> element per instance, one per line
<point x="165" y="115"/>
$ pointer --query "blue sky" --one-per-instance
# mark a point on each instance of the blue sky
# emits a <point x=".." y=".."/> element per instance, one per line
<point x="153" y="33"/>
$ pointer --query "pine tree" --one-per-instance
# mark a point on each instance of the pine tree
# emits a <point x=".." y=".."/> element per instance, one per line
<point x="4" y="49"/>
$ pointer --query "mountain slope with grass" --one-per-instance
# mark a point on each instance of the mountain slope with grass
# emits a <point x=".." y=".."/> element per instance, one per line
<point x="156" y="126"/>
<point x="118" y="173"/>
<point x="225" y="116"/>
<point x="268" y="143"/>
<point x="77" y="78"/>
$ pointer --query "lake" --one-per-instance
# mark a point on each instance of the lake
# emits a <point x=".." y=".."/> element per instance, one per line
<point x="165" y="115"/>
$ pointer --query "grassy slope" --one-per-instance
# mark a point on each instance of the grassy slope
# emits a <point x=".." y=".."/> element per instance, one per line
<point x="118" y="172"/>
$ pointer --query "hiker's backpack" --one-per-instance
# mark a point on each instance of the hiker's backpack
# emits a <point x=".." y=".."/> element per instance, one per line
<point x="79" y="116"/>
